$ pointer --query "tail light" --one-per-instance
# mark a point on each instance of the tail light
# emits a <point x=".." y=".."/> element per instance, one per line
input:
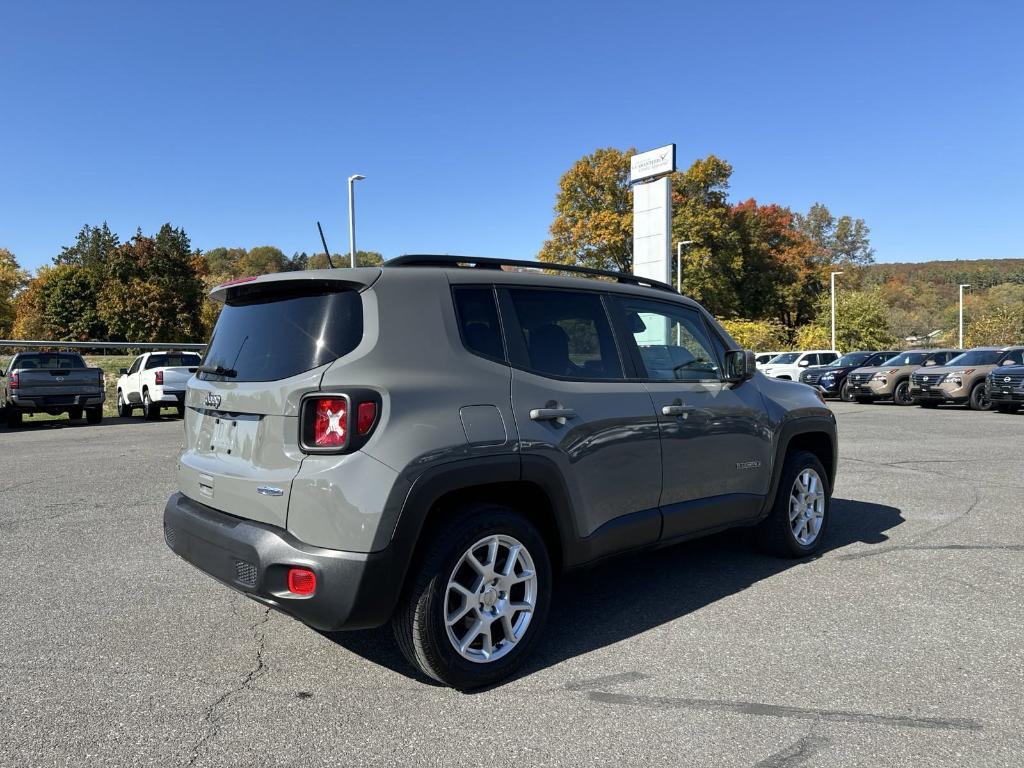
<point x="159" y="378"/>
<point x="338" y="423"/>
<point x="13" y="381"/>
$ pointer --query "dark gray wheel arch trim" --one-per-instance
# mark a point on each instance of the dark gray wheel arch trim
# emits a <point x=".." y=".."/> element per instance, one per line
<point x="817" y="424"/>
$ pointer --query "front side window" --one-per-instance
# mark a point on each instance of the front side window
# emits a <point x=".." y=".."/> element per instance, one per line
<point x="135" y="365"/>
<point x="672" y="341"/>
<point x="478" y="322"/>
<point x="566" y="334"/>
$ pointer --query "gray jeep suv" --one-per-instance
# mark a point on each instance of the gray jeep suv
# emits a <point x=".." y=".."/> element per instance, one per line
<point x="429" y="442"/>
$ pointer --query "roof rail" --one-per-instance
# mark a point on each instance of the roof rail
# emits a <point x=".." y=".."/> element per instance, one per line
<point x="480" y="262"/>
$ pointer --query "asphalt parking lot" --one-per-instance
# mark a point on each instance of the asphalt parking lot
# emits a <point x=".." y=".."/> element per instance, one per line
<point x="903" y="644"/>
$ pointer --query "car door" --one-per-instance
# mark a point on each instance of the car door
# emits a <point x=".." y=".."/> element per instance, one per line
<point x="577" y="414"/>
<point x="715" y="439"/>
<point x="133" y="387"/>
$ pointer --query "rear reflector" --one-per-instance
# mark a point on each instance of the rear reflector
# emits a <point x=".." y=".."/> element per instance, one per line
<point x="13" y="381"/>
<point x="160" y="378"/>
<point x="330" y="422"/>
<point x="365" y="417"/>
<point x="301" y="581"/>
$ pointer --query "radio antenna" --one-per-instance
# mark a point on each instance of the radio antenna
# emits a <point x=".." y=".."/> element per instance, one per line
<point x="323" y="240"/>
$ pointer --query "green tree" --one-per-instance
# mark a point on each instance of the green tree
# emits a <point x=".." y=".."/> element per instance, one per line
<point x="262" y="260"/>
<point x="998" y="324"/>
<point x="759" y="335"/>
<point x="68" y="303"/>
<point x="363" y="259"/>
<point x="12" y="280"/>
<point x="841" y="241"/>
<point x="593" y="225"/>
<point x="862" y="322"/>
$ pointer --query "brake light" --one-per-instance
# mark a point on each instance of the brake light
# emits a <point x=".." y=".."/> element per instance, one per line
<point x="330" y="422"/>
<point x="236" y="281"/>
<point x="160" y="378"/>
<point x="301" y="581"/>
<point x="13" y="383"/>
<point x="366" y="414"/>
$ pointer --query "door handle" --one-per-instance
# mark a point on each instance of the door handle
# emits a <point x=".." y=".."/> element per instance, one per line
<point x="549" y="414"/>
<point x="677" y="410"/>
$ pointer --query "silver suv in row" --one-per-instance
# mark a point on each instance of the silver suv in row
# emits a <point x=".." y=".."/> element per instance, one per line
<point x="431" y="441"/>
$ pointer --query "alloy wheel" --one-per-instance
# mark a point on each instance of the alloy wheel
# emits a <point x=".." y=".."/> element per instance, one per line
<point x="490" y="598"/>
<point x="807" y="507"/>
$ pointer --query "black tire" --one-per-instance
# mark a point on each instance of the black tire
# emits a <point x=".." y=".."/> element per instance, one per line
<point x="124" y="410"/>
<point x="75" y="414"/>
<point x="901" y="393"/>
<point x="150" y="412"/>
<point x="927" y="403"/>
<point x="776" y="532"/>
<point x="93" y="415"/>
<point x="844" y="393"/>
<point x="419" y="621"/>
<point x="13" y="418"/>
<point x="1007" y="408"/>
<point x="979" y="398"/>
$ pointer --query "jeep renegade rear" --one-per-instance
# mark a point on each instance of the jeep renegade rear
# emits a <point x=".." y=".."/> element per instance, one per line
<point x="428" y="443"/>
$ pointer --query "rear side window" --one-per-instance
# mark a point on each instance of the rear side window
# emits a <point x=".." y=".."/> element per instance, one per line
<point x="477" y="314"/>
<point x="566" y="334"/>
<point x="274" y="331"/>
<point x="172" y="360"/>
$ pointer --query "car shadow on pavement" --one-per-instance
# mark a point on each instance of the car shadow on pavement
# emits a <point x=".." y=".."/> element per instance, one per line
<point x="638" y="592"/>
<point x="30" y="425"/>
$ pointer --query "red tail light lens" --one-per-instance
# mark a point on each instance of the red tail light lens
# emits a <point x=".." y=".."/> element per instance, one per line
<point x="13" y="382"/>
<point x="330" y="422"/>
<point x="160" y="378"/>
<point x="365" y="416"/>
<point x="301" y="581"/>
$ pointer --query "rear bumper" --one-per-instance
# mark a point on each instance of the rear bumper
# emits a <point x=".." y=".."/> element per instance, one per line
<point x="355" y="590"/>
<point x="162" y="396"/>
<point x="55" y="402"/>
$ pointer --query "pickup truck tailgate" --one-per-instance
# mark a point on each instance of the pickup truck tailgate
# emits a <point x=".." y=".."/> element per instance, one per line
<point x="54" y="386"/>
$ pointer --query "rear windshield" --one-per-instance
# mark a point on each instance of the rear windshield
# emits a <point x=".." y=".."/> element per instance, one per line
<point x="280" y="331"/>
<point x="49" y="361"/>
<point x="977" y="357"/>
<point x="173" y="360"/>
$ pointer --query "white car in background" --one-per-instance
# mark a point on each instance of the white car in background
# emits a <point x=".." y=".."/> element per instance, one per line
<point x="156" y="380"/>
<point x="761" y="359"/>
<point x="789" y="365"/>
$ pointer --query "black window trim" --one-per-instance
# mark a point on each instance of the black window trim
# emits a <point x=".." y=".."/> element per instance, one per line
<point x="455" y="287"/>
<point x="515" y="344"/>
<point x="636" y="359"/>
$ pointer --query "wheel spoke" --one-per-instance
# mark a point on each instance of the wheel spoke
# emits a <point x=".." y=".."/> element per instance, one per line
<point x="506" y="626"/>
<point x="510" y="562"/>
<point x="488" y="642"/>
<point x="471" y="635"/>
<point x="521" y="606"/>
<point x="492" y="554"/>
<point x="453" y="618"/>
<point x="477" y="566"/>
<point x="524" y="576"/>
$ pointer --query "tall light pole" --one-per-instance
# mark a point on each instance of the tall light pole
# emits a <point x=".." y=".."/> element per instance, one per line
<point x="679" y="263"/>
<point x="352" y="215"/>
<point x="833" y="281"/>
<point x="965" y="285"/>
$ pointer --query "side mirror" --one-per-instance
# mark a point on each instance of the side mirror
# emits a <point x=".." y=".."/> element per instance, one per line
<point x="123" y="371"/>
<point x="740" y="365"/>
<point x="804" y="363"/>
<point x="929" y="363"/>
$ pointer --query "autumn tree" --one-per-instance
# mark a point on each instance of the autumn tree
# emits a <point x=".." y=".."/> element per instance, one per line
<point x="593" y="225"/>
<point x="862" y="322"/>
<point x="12" y="280"/>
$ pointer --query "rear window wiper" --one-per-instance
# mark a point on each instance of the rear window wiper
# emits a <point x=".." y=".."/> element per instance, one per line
<point x="217" y="370"/>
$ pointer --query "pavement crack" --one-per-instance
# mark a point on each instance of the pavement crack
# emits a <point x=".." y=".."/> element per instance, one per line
<point x="797" y="753"/>
<point x="212" y="716"/>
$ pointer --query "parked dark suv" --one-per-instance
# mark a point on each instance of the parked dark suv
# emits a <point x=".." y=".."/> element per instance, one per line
<point x="1005" y="388"/>
<point x="429" y="442"/>
<point x="831" y="379"/>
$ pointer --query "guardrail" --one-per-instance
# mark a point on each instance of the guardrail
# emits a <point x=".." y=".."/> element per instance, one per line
<point x="104" y="345"/>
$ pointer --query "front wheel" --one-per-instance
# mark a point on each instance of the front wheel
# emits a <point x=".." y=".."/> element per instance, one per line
<point x="796" y="525"/>
<point x="478" y="601"/>
<point x="123" y="409"/>
<point x="150" y="411"/>
<point x="901" y="394"/>
<point x="845" y="395"/>
<point x="979" y="398"/>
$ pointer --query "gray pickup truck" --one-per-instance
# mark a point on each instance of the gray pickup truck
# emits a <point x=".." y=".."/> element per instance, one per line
<point x="51" y="382"/>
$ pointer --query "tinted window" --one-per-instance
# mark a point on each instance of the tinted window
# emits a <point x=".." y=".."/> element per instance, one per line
<point x="785" y="358"/>
<point x="877" y="359"/>
<point x="173" y="360"/>
<point x="826" y="357"/>
<point x="907" y="358"/>
<point x="1016" y="357"/>
<point x="135" y="365"/>
<point x="49" y="361"/>
<point x="478" y="322"/>
<point x="976" y="357"/>
<point x="273" y="331"/>
<point x="566" y="333"/>
<point x="851" y="358"/>
<point x="673" y="342"/>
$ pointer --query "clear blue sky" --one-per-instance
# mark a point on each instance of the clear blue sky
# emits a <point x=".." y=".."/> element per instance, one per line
<point x="239" y="121"/>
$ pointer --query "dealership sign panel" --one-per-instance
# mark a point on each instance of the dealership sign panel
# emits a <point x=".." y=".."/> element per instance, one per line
<point x="648" y="165"/>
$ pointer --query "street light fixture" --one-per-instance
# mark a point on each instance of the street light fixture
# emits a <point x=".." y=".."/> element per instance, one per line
<point x="965" y="285"/>
<point x="833" y="281"/>
<point x="679" y="263"/>
<point x="352" y="215"/>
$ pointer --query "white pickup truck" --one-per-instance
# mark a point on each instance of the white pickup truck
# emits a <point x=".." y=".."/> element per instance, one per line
<point x="155" y="380"/>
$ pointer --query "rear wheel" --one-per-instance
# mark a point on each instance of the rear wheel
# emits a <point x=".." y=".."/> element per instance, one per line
<point x="844" y="394"/>
<point x="979" y="398"/>
<point x="478" y="599"/>
<point x="75" y="414"/>
<point x="901" y="394"/>
<point x="150" y="411"/>
<point x="799" y="518"/>
<point x="93" y="415"/>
